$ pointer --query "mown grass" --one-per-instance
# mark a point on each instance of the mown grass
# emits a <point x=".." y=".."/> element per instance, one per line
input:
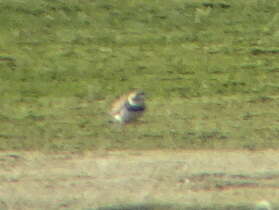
<point x="210" y="69"/>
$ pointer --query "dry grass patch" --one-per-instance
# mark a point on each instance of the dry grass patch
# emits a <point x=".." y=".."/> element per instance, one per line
<point x="31" y="180"/>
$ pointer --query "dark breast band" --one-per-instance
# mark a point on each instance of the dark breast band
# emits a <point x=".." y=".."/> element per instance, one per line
<point x="134" y="108"/>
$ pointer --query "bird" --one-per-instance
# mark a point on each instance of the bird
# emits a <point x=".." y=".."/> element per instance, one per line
<point x="129" y="107"/>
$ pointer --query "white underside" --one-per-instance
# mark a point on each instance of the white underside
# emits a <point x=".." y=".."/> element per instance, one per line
<point x="125" y="116"/>
<point x="118" y="118"/>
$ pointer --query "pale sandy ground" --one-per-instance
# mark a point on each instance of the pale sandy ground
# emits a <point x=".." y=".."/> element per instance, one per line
<point x="33" y="180"/>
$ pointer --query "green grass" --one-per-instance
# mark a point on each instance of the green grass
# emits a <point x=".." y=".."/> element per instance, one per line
<point x="210" y="69"/>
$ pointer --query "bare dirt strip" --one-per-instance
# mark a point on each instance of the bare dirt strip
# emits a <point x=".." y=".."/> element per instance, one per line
<point x="34" y="180"/>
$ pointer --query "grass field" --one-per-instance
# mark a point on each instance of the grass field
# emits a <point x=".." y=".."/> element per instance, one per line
<point x="210" y="69"/>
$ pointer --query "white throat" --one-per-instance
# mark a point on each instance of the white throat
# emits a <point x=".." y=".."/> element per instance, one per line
<point x="132" y="103"/>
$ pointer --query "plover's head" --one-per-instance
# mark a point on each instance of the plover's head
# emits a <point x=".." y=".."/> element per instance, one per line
<point x="136" y="98"/>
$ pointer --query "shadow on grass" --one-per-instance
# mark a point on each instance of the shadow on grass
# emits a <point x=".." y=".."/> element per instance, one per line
<point x="174" y="207"/>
